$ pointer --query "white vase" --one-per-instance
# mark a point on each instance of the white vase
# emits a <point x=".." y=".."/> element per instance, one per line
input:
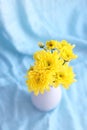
<point x="48" y="100"/>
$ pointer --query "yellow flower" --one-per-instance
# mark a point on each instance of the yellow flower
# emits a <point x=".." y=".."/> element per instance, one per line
<point x="67" y="54"/>
<point x="39" y="55"/>
<point x="48" y="61"/>
<point x="69" y="76"/>
<point x="61" y="45"/>
<point x="38" y="81"/>
<point x="64" y="76"/>
<point x="66" y="50"/>
<point x="52" y="44"/>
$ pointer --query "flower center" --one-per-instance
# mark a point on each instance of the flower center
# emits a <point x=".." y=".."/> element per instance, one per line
<point x="51" y="44"/>
<point x="61" y="75"/>
<point x="48" y="63"/>
<point x="38" y="80"/>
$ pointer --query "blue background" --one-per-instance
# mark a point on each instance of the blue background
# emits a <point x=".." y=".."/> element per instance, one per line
<point x="23" y="23"/>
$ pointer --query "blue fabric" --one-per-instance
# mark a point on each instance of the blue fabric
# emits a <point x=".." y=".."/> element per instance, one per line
<point x="23" y="23"/>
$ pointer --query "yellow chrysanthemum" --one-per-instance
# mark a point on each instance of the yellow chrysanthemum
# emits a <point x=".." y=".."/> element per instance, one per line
<point x="67" y="54"/>
<point x="66" y="50"/>
<point x="61" y="45"/>
<point x="39" y="55"/>
<point x="52" y="44"/>
<point x="69" y="76"/>
<point x="39" y="81"/>
<point x="49" y="61"/>
<point x="64" y="76"/>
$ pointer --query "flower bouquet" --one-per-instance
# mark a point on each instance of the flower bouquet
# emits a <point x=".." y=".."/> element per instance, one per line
<point x="50" y="70"/>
